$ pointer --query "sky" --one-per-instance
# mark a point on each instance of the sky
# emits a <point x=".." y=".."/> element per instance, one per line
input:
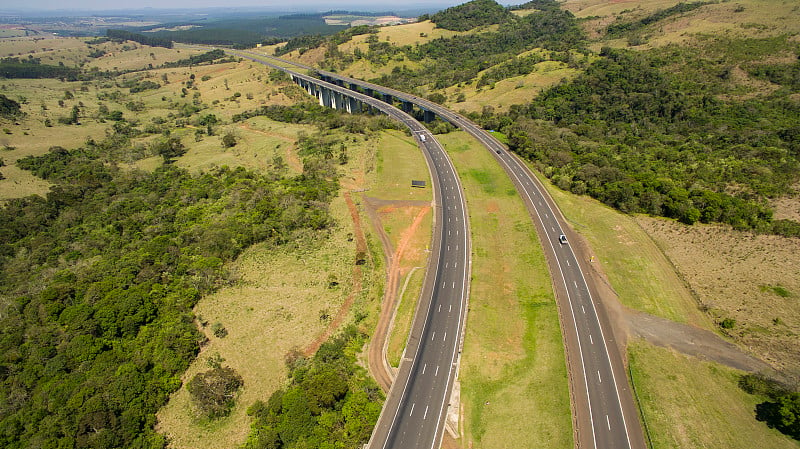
<point x="281" y="5"/>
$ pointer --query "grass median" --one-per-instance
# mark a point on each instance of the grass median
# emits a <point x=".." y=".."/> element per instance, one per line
<point x="514" y="386"/>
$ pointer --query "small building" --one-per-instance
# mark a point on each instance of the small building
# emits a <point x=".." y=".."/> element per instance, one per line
<point x="418" y="184"/>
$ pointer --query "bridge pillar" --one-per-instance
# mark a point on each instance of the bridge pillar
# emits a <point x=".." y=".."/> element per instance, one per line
<point x="355" y="105"/>
<point x="407" y="106"/>
<point x="428" y="116"/>
<point x="388" y="98"/>
<point x="336" y="100"/>
<point x="325" y="98"/>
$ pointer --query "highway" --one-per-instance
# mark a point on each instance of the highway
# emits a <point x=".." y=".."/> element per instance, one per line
<point x="415" y="410"/>
<point x="604" y="411"/>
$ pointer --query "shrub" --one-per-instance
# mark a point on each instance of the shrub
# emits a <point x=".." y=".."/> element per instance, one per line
<point x="219" y="330"/>
<point x="728" y="323"/>
<point x="229" y="140"/>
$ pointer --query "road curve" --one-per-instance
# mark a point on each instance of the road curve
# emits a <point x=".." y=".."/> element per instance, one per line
<point x="604" y="412"/>
<point x="415" y="410"/>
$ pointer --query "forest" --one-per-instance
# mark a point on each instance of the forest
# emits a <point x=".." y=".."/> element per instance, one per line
<point x="247" y="32"/>
<point x="470" y="15"/>
<point x="450" y="61"/>
<point x="33" y="68"/>
<point x="122" y="35"/>
<point x="99" y="279"/>
<point x="636" y="135"/>
<point x="330" y="402"/>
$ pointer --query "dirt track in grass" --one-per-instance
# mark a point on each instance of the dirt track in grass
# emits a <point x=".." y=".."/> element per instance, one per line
<point x="395" y="270"/>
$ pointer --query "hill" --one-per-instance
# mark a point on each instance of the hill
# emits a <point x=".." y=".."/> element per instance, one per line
<point x="682" y="114"/>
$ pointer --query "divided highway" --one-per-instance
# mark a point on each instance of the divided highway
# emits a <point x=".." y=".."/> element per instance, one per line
<point x="605" y="414"/>
<point x="415" y="410"/>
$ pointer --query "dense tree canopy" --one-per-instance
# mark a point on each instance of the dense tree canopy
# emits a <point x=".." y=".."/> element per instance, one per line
<point x="470" y="15"/>
<point x="99" y="279"/>
<point x="448" y="61"/>
<point x="33" y="68"/>
<point x="632" y="133"/>
<point x="331" y="402"/>
<point x="153" y="41"/>
<point x="8" y="107"/>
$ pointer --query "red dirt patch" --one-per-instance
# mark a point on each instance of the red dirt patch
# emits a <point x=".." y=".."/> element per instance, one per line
<point x="378" y="365"/>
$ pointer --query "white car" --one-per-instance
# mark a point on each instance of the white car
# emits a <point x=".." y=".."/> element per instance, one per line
<point x="562" y="239"/>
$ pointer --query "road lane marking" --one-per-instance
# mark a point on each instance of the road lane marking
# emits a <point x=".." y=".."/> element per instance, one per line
<point x="445" y="337"/>
<point x="433" y="336"/>
<point x="437" y="371"/>
<point x="454" y="285"/>
<point x="425" y="415"/>
<point x="599" y="379"/>
<point x="440" y="308"/>
<point x="446" y="264"/>
<point x="412" y="409"/>
<point x="568" y="263"/>
<point x="591" y="340"/>
<point x="423" y="368"/>
<point x="576" y="283"/>
<point x="608" y="423"/>
<point x="584" y="310"/>
<point x="451" y="308"/>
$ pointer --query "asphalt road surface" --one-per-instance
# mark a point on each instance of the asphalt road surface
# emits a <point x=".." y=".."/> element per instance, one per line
<point x="605" y="414"/>
<point x="415" y="411"/>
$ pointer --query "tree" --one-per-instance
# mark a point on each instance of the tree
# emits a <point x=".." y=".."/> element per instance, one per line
<point x="8" y="107"/>
<point x="75" y="115"/>
<point x="229" y="140"/>
<point x="782" y="413"/>
<point x="169" y="148"/>
<point x="214" y="392"/>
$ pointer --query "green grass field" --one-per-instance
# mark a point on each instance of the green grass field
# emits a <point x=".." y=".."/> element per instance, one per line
<point x="685" y="402"/>
<point x="399" y="160"/>
<point x="690" y="403"/>
<point x="513" y="375"/>
<point x="636" y="268"/>
<point x="408" y="296"/>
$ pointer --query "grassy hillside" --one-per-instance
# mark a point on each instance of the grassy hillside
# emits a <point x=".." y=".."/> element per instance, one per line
<point x="148" y="186"/>
<point x="680" y="110"/>
<point x="685" y="111"/>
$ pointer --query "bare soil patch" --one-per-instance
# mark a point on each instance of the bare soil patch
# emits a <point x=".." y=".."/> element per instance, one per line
<point x="400" y="259"/>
